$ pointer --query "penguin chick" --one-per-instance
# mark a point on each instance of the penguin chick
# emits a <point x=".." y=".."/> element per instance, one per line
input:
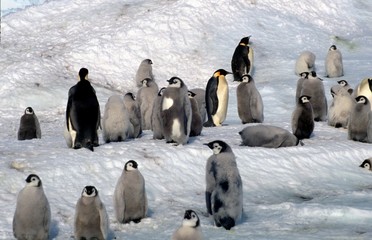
<point x="156" y="120"/>
<point x="341" y="106"/>
<point x="196" y="121"/>
<point x="190" y="229"/>
<point x="131" y="105"/>
<point x="144" y="71"/>
<point x="300" y="81"/>
<point x="200" y="99"/>
<point x="364" y="88"/>
<point x="29" y="126"/>
<point x="333" y="63"/>
<point x="91" y="220"/>
<point x="367" y="164"/>
<point x="32" y="216"/>
<point x="145" y="98"/>
<point x="359" y="120"/>
<point x="303" y="118"/>
<point x="242" y="59"/>
<point x="130" y="200"/>
<point x="305" y="63"/>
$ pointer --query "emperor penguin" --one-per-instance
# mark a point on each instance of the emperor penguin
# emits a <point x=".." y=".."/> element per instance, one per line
<point x="367" y="164"/>
<point x="29" y="126"/>
<point x="156" y="120"/>
<point x="300" y="82"/>
<point x="267" y="136"/>
<point x="146" y="96"/>
<point x="91" y="219"/>
<point x="314" y="88"/>
<point x="359" y="120"/>
<point x="333" y="63"/>
<point x="249" y="100"/>
<point x="200" y="99"/>
<point x="224" y="187"/>
<point x="303" y="118"/>
<point x="217" y="98"/>
<point x="133" y="110"/>
<point x="190" y="228"/>
<point x="115" y="121"/>
<point x="196" y="122"/>
<point x="364" y="88"/>
<point x="130" y="200"/>
<point x="305" y="62"/>
<point x="242" y="59"/>
<point x="32" y="216"/>
<point x="83" y="114"/>
<point x="144" y="71"/>
<point x="176" y="112"/>
<point x="341" y="106"/>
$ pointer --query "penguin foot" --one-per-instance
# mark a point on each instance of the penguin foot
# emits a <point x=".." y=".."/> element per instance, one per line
<point x="89" y="145"/>
<point x="77" y="146"/>
<point x="209" y="124"/>
<point x="137" y="220"/>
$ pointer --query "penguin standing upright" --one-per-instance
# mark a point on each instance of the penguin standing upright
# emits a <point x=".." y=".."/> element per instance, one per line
<point x="200" y="99"/>
<point x="156" y="120"/>
<point x="32" y="216"/>
<point x="130" y="200"/>
<point x="190" y="229"/>
<point x="134" y="112"/>
<point x="333" y="63"/>
<point x="249" y="100"/>
<point x="196" y="122"/>
<point x="83" y="113"/>
<point x="145" y="97"/>
<point x="300" y="81"/>
<point x="29" y="126"/>
<point x="91" y="219"/>
<point x="144" y="71"/>
<point x="341" y="106"/>
<point x="364" y="88"/>
<point x="303" y="118"/>
<point x="305" y="63"/>
<point x="176" y="112"/>
<point x="217" y="98"/>
<point x="242" y="59"/>
<point x="359" y="120"/>
<point x="224" y="187"/>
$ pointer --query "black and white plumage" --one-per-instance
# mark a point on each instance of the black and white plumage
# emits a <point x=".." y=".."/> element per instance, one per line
<point x="267" y="136"/>
<point x="303" y="118"/>
<point x="364" y="88"/>
<point x="249" y="101"/>
<point x="144" y="71"/>
<point x="156" y="120"/>
<point x="146" y="96"/>
<point x="200" y="99"/>
<point x="196" y="122"/>
<point x="341" y="106"/>
<point x="82" y="114"/>
<point x="130" y="200"/>
<point x="242" y="59"/>
<point x="134" y="112"/>
<point x="300" y="81"/>
<point x="333" y="63"/>
<point x="29" y="126"/>
<point x="359" y="121"/>
<point x="224" y="189"/>
<point x="367" y="164"/>
<point x="190" y="228"/>
<point x="305" y="62"/>
<point x="91" y="219"/>
<point x="32" y="216"/>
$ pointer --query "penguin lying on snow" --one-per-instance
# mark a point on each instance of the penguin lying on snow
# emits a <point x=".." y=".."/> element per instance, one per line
<point x="29" y="126"/>
<point x="190" y="228"/>
<point x="267" y="136"/>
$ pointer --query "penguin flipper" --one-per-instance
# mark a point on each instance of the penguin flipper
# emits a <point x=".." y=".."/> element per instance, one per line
<point x="103" y="220"/>
<point x="211" y="98"/>
<point x="119" y="202"/>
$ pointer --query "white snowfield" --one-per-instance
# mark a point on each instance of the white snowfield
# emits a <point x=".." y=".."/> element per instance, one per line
<point x="315" y="191"/>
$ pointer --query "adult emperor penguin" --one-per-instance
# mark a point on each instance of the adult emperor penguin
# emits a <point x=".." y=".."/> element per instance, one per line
<point x="130" y="200"/>
<point x="367" y="164"/>
<point x="333" y="63"/>
<point x="359" y="120"/>
<point x="200" y="99"/>
<point x="115" y="121"/>
<point x="224" y="187"/>
<point x="32" y="215"/>
<point x="29" y="126"/>
<point x="144" y="71"/>
<point x="364" y="88"/>
<point x="341" y="106"/>
<point x="176" y="112"/>
<point x="242" y="59"/>
<point x="305" y="62"/>
<point x="216" y="98"/>
<point x="267" y="136"/>
<point x="190" y="229"/>
<point x="146" y="96"/>
<point x="303" y="118"/>
<point x="314" y="88"/>
<point x="83" y="113"/>
<point x="134" y="112"/>
<point x="91" y="219"/>
<point x="156" y="120"/>
<point x="196" y="122"/>
<point x="250" y="105"/>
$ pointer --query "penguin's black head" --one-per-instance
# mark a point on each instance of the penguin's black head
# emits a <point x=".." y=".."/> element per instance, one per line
<point x="131" y="165"/>
<point x="147" y="60"/>
<point x="245" y="40"/>
<point x="333" y="47"/>
<point x="343" y="83"/>
<point x="175" y="82"/>
<point x="218" y="146"/>
<point x="304" y="99"/>
<point x="160" y="93"/>
<point x="245" y="78"/>
<point x="313" y="74"/>
<point x="33" y="180"/>
<point x="89" y="191"/>
<point x="191" y="94"/>
<point x="129" y="94"/>
<point x="361" y="99"/>
<point x="29" y="110"/>
<point x="304" y="75"/>
<point x="366" y="164"/>
<point x="370" y="83"/>
<point x="83" y="74"/>
<point x="145" y="82"/>
<point x="221" y="72"/>
<point x="191" y="219"/>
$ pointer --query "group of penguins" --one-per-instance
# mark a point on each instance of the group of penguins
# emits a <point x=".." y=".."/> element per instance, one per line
<point x="175" y="113"/>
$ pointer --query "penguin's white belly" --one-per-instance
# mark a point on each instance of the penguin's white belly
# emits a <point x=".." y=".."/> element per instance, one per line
<point x="176" y="128"/>
<point x="223" y="98"/>
<point x="167" y="103"/>
<point x="72" y="133"/>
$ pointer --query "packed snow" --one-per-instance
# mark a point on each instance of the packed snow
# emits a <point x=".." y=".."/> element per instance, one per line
<point x="315" y="191"/>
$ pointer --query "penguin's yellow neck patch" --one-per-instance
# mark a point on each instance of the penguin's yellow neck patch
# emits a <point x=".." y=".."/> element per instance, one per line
<point x="242" y="44"/>
<point x="216" y="74"/>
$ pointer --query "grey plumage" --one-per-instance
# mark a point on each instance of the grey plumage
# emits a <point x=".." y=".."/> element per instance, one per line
<point x="130" y="200"/>
<point x="305" y="62"/>
<point x="32" y="216"/>
<point x="176" y="112"/>
<point x="190" y="228"/>
<point x="144" y="71"/>
<point x="341" y="106"/>
<point x="303" y="118"/>
<point x="115" y="121"/>
<point x="333" y="63"/>
<point x="200" y="99"/>
<point x="131" y="105"/>
<point x="359" y="120"/>
<point x="249" y="101"/>
<point x="367" y="164"/>
<point x="156" y="120"/>
<point x="300" y="81"/>
<point x="196" y="122"/>
<point x="267" y="136"/>
<point x="91" y="219"/>
<point x="224" y="189"/>
<point x="145" y="97"/>
<point x="29" y="126"/>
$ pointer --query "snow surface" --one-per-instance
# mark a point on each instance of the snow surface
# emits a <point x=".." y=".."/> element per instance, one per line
<point x="315" y="191"/>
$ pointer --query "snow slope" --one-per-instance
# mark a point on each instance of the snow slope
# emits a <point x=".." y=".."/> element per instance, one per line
<point x="316" y="191"/>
